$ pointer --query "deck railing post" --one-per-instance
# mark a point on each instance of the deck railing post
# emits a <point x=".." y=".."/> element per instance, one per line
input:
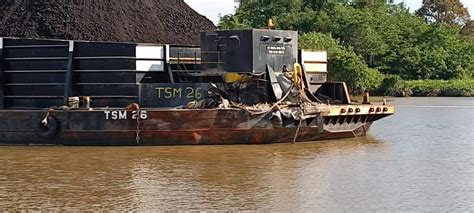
<point x="195" y="62"/>
<point x="2" y="98"/>
<point x="166" y="49"/>
<point x="69" y="74"/>
<point x="218" y="61"/>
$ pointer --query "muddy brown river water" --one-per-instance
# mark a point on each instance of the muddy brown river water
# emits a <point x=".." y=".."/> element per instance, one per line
<point x="421" y="159"/>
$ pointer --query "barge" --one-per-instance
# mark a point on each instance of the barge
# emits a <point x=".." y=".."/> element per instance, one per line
<point x="239" y="87"/>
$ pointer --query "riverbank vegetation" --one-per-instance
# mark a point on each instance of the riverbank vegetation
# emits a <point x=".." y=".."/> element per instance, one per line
<point x="448" y="88"/>
<point x="377" y="45"/>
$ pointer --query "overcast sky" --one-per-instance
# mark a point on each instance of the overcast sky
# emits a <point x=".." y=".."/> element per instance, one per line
<point x="212" y="8"/>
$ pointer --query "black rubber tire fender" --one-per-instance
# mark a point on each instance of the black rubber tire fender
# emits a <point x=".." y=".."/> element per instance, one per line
<point x="48" y="131"/>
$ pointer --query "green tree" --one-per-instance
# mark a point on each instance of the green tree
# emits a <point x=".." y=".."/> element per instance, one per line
<point x="448" y="12"/>
<point x="365" y="38"/>
<point x="439" y="53"/>
<point x="255" y="13"/>
<point x="344" y="64"/>
<point x="468" y="30"/>
<point x="231" y="22"/>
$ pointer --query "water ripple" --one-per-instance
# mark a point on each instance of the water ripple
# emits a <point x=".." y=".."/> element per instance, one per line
<point x="421" y="159"/>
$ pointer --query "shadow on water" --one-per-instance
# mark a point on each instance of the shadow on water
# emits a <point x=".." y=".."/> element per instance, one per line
<point x="189" y="177"/>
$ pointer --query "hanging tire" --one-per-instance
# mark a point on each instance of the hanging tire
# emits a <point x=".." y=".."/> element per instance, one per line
<point x="48" y="131"/>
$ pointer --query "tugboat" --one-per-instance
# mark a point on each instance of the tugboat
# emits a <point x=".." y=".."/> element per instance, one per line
<point x="239" y="87"/>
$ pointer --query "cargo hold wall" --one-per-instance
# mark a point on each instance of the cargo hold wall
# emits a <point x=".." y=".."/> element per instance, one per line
<point x="44" y="73"/>
<point x="2" y="100"/>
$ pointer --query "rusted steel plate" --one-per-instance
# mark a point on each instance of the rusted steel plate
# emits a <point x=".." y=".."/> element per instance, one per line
<point x="160" y="127"/>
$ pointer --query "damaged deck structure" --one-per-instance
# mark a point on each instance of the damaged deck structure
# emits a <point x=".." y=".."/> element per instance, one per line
<point x="238" y="87"/>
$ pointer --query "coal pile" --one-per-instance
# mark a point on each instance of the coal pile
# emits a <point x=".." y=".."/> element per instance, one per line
<point x="150" y="21"/>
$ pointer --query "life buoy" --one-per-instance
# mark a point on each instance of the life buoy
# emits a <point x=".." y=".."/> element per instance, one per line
<point x="48" y="130"/>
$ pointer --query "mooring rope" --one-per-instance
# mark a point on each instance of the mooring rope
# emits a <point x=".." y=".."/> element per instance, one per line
<point x="297" y="131"/>
<point x="137" y="130"/>
<point x="45" y="119"/>
<point x="303" y="98"/>
<point x="137" y="138"/>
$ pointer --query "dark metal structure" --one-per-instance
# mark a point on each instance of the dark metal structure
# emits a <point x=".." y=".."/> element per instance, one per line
<point x="250" y="51"/>
<point x="150" y="94"/>
<point x="45" y="73"/>
<point x="2" y="100"/>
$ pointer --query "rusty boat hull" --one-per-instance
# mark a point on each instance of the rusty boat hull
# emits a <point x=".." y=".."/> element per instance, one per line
<point x="251" y="86"/>
<point x="155" y="127"/>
